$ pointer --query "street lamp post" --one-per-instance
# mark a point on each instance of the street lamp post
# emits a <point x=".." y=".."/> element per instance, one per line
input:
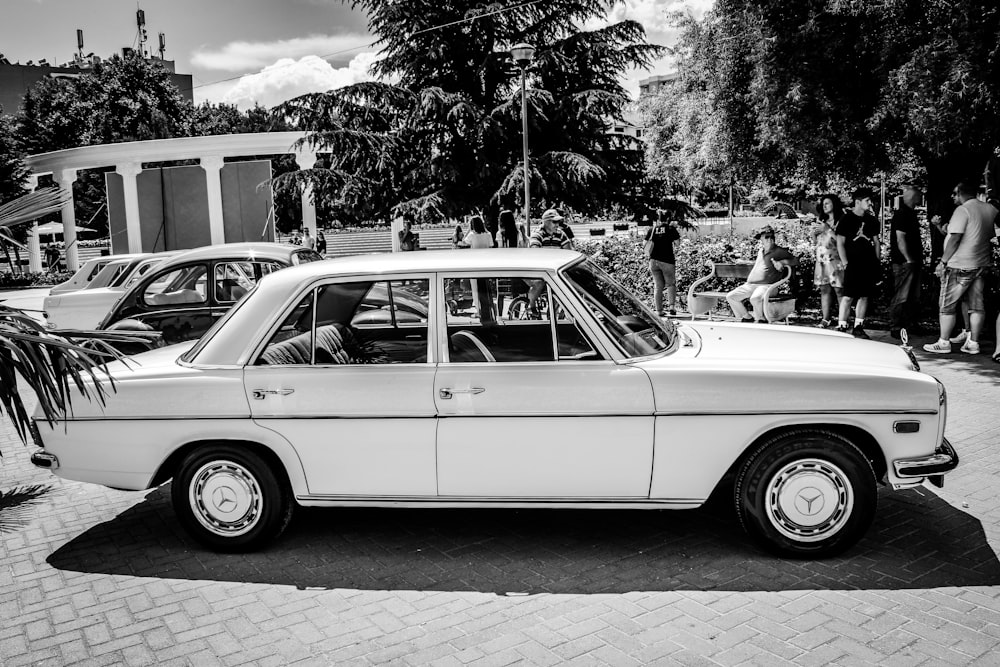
<point x="522" y="55"/>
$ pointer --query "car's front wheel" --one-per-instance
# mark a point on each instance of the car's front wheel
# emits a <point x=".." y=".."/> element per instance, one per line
<point x="229" y="499"/>
<point x="806" y="494"/>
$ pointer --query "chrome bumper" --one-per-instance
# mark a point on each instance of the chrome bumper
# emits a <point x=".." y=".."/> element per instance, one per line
<point x="42" y="459"/>
<point x="933" y="467"/>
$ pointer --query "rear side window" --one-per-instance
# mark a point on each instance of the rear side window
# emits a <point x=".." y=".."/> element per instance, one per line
<point x="187" y="284"/>
<point x="234" y="279"/>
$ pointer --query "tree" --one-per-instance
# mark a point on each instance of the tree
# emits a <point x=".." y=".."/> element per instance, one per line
<point x="446" y="138"/>
<point x="819" y="90"/>
<point x="121" y="99"/>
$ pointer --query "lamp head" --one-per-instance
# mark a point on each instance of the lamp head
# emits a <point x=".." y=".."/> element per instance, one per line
<point x="522" y="54"/>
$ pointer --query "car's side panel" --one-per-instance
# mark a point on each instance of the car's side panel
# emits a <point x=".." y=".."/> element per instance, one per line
<point x="693" y="452"/>
<point x="127" y="453"/>
<point x="538" y="430"/>
<point x="365" y="429"/>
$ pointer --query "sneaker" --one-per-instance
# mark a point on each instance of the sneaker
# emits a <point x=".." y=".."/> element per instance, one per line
<point x="825" y="324"/>
<point x="962" y="336"/>
<point x="940" y="347"/>
<point x="858" y="332"/>
<point x="970" y="347"/>
<point x="841" y="329"/>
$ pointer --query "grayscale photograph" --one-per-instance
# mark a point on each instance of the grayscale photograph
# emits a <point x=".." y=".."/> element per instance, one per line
<point x="499" y="332"/>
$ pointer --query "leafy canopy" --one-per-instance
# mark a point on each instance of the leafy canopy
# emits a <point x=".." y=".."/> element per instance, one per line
<point x="445" y="136"/>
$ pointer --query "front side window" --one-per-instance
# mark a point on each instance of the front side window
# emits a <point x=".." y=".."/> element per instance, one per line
<point x="363" y="322"/>
<point x="510" y="319"/>
<point x="184" y="285"/>
<point x="636" y="330"/>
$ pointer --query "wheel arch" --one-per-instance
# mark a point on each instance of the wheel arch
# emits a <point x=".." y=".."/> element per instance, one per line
<point x="291" y="475"/>
<point x="858" y="436"/>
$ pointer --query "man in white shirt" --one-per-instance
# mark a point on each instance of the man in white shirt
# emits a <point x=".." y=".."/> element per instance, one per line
<point x="967" y="254"/>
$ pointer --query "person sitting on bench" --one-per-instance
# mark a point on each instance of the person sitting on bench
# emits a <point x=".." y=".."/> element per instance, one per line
<point x="769" y="268"/>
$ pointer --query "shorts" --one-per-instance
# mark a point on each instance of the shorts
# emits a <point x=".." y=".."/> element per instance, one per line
<point x="959" y="283"/>
<point x="860" y="276"/>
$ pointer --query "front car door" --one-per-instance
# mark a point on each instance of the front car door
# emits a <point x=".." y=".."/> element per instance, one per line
<point x="531" y="405"/>
<point x="347" y="378"/>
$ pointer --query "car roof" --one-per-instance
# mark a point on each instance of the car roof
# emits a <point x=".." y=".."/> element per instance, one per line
<point x="259" y="250"/>
<point x="275" y="289"/>
<point x="512" y="259"/>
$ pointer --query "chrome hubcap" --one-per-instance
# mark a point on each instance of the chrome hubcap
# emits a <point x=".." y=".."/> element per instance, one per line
<point x="809" y="500"/>
<point x="225" y="498"/>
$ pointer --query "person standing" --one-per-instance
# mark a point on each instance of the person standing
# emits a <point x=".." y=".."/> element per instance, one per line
<point x="321" y="243"/>
<point x="308" y="241"/>
<point x="906" y="254"/>
<point x="659" y="246"/>
<point x="478" y="237"/>
<point x="458" y="238"/>
<point x="967" y="255"/>
<point x="52" y="257"/>
<point x="508" y="229"/>
<point x="407" y="239"/>
<point x="859" y="251"/>
<point x="829" y="273"/>
<point x="549" y="234"/>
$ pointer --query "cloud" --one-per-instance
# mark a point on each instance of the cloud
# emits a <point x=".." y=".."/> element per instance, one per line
<point x="243" y="56"/>
<point x="652" y="14"/>
<point x="288" y="78"/>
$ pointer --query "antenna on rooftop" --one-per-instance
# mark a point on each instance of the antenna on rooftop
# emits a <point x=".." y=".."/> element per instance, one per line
<point x="163" y="44"/>
<point x="140" y="22"/>
<point x="79" y="43"/>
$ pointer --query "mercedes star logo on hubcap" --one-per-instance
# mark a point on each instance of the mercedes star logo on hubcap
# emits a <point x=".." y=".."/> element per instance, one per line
<point x="224" y="499"/>
<point x="809" y="501"/>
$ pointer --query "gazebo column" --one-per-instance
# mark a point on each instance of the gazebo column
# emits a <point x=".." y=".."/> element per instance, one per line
<point x="306" y="161"/>
<point x="65" y="179"/>
<point x="212" y="164"/>
<point x="130" y="188"/>
<point x="34" y="249"/>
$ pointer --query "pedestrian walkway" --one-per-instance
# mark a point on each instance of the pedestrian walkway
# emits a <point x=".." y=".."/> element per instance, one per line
<point x="89" y="575"/>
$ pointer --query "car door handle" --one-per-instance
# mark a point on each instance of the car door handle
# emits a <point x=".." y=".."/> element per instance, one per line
<point x="261" y="394"/>
<point x="448" y="393"/>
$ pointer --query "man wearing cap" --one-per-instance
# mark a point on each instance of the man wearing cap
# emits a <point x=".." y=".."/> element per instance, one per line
<point x="858" y="246"/>
<point x="549" y="234"/>
<point x="769" y="268"/>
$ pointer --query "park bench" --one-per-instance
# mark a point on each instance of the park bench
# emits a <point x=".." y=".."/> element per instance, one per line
<point x="778" y="305"/>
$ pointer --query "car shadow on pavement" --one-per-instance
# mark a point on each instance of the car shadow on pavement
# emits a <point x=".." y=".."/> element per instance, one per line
<point x="918" y="541"/>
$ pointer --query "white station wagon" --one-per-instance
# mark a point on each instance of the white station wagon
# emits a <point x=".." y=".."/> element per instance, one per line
<point x="416" y="379"/>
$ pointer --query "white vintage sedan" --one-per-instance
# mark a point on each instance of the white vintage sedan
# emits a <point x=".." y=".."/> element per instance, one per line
<point x="414" y="380"/>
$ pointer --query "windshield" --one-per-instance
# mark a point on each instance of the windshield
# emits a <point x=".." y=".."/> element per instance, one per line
<point x="632" y="325"/>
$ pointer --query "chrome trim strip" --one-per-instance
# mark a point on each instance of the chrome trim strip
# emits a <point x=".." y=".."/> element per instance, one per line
<point x="506" y="502"/>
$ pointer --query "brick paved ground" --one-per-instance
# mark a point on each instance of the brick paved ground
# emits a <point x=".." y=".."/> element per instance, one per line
<point x="94" y="576"/>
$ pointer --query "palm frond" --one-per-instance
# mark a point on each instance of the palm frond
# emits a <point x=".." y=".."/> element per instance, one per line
<point x="33" y="206"/>
<point x="49" y="363"/>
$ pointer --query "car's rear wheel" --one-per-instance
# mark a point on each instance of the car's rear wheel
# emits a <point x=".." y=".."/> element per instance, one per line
<point x="229" y="499"/>
<point x="806" y="494"/>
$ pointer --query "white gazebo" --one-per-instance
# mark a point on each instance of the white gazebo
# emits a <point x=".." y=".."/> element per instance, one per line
<point x="128" y="158"/>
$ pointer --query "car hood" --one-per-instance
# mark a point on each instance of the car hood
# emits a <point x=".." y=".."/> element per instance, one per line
<point x="793" y="347"/>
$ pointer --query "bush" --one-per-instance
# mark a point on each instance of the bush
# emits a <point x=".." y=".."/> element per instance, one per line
<point x="9" y="280"/>
<point x="622" y="257"/>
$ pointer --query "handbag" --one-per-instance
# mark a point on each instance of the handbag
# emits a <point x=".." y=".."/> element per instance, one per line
<point x="647" y="248"/>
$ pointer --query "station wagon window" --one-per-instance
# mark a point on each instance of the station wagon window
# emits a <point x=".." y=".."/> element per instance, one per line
<point x="510" y="319"/>
<point x="363" y="322"/>
<point x="187" y="284"/>
<point x="234" y="279"/>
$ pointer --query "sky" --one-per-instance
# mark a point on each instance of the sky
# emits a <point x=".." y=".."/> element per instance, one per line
<point x="250" y="51"/>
